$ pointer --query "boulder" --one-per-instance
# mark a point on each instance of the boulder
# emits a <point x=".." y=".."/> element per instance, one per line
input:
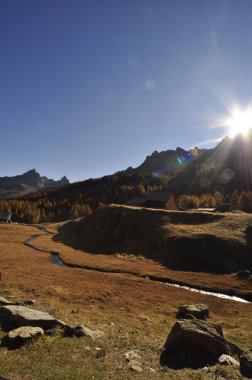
<point x="81" y="331"/>
<point x="16" y="316"/>
<point x="249" y="235"/>
<point x="21" y="336"/>
<point x="243" y="274"/>
<point x="198" y="311"/>
<point x="246" y="364"/>
<point x="195" y="344"/>
<point x="228" y="360"/>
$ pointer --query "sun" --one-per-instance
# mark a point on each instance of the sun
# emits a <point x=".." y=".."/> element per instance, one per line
<point x="240" y="122"/>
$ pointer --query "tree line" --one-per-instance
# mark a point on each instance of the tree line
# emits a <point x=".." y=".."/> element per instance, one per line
<point x="82" y="198"/>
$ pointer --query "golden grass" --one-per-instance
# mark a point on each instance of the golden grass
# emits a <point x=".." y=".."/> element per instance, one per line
<point x="133" y="313"/>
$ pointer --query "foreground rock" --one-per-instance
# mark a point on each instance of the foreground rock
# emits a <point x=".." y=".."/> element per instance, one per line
<point x="198" y="311"/>
<point x="243" y="274"/>
<point x="16" y="316"/>
<point x="195" y="344"/>
<point x="81" y="331"/>
<point x="228" y="360"/>
<point x="22" y="335"/>
<point x="249" y="235"/>
<point x="246" y="364"/>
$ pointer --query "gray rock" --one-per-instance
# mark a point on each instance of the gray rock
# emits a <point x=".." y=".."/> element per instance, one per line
<point x="198" y="311"/>
<point x="246" y="364"/>
<point x="228" y="360"/>
<point x="16" y="316"/>
<point x="81" y="331"/>
<point x="21" y="336"/>
<point x="195" y="344"/>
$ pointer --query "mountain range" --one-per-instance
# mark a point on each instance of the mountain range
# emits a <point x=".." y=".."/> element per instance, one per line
<point x="27" y="183"/>
<point x="225" y="168"/>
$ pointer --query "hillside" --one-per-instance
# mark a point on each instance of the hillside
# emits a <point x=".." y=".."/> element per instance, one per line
<point x="26" y="183"/>
<point x="225" y="168"/>
<point x="193" y="241"/>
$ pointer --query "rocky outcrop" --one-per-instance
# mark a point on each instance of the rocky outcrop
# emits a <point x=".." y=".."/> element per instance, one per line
<point x="195" y="343"/>
<point x="20" y="336"/>
<point x="246" y="364"/>
<point x="16" y="316"/>
<point x="198" y="311"/>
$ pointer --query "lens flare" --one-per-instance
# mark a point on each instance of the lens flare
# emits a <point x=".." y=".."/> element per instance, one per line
<point x="240" y="122"/>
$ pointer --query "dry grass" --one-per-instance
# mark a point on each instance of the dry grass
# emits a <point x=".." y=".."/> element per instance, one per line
<point x="133" y="313"/>
<point x="185" y="241"/>
<point x="142" y="266"/>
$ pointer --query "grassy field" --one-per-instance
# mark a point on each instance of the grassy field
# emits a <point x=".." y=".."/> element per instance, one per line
<point x="198" y="241"/>
<point x="134" y="313"/>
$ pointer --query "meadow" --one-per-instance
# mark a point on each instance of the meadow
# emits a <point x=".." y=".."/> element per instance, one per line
<point x="134" y="313"/>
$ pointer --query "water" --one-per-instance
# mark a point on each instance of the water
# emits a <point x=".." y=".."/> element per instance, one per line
<point x="55" y="259"/>
<point x="219" y="295"/>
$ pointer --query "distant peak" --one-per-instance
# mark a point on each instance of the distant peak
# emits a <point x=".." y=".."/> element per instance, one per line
<point x="32" y="171"/>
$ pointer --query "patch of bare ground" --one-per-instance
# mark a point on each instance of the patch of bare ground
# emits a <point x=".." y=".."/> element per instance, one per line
<point x="134" y="313"/>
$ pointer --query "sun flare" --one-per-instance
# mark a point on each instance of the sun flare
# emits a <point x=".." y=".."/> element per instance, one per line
<point x="240" y="122"/>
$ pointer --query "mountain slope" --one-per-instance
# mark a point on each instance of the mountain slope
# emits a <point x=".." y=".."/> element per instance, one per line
<point x="224" y="168"/>
<point x="166" y="162"/>
<point x="26" y="183"/>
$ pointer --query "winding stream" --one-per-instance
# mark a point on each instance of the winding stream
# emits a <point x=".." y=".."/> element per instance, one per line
<point x="55" y="259"/>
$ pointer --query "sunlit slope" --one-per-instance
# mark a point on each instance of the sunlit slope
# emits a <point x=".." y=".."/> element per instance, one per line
<point x="180" y="240"/>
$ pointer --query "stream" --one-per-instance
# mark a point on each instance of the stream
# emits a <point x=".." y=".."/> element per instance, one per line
<point x="55" y="259"/>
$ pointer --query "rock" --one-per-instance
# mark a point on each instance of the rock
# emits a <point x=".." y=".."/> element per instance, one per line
<point x="29" y="302"/>
<point x="4" y="302"/>
<point x="135" y="366"/>
<point x="131" y="355"/>
<point x="228" y="360"/>
<point x="101" y="353"/>
<point x="246" y="364"/>
<point x="249" y="235"/>
<point x="243" y="274"/>
<point x="16" y="316"/>
<point x="21" y="336"/>
<point x="81" y="331"/>
<point x="195" y="344"/>
<point x="198" y="311"/>
<point x="50" y="332"/>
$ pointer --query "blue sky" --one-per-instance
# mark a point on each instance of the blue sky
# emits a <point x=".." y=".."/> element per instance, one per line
<point x="91" y="87"/>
